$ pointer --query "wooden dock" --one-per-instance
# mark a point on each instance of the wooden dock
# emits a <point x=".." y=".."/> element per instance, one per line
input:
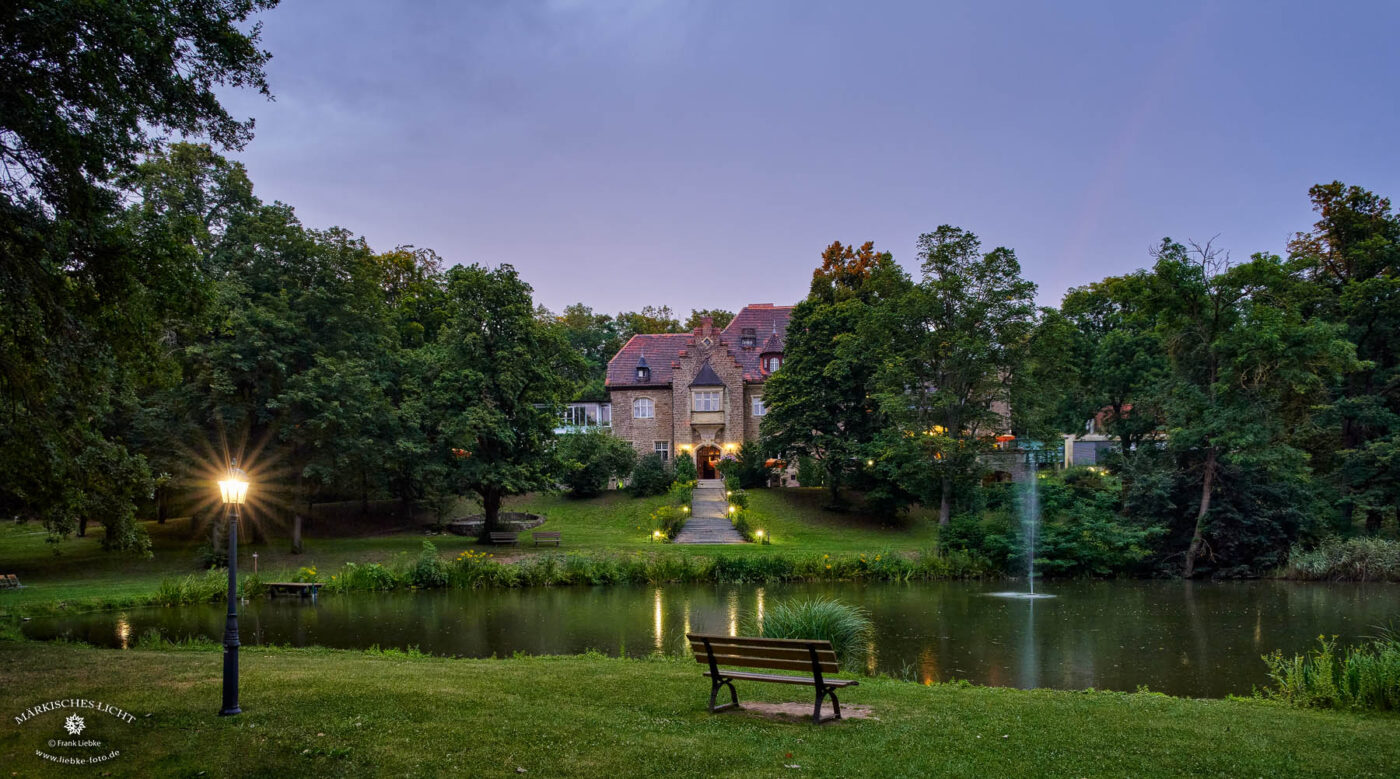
<point x="304" y="589"/>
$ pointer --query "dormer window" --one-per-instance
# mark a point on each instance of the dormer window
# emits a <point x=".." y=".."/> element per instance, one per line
<point x="771" y="362"/>
<point x="643" y="370"/>
<point x="748" y="338"/>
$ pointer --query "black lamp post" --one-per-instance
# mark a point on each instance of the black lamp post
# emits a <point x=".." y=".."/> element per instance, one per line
<point x="234" y="491"/>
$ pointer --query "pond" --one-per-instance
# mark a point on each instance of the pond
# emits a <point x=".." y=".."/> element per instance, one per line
<point x="1181" y="638"/>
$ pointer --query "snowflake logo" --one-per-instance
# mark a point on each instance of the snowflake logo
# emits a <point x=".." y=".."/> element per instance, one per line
<point x="74" y="725"/>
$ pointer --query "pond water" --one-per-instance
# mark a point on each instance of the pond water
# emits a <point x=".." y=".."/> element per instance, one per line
<point x="1181" y="638"/>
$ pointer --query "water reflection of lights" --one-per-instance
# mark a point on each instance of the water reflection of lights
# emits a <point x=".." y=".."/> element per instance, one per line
<point x="758" y="610"/>
<point x="657" y="618"/>
<point x="123" y="632"/>
<point x="734" y="613"/>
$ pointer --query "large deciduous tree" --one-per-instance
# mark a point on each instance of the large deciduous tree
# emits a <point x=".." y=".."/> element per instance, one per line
<point x="503" y="376"/>
<point x="85" y="90"/>
<point x="819" y="403"/>
<point x="952" y="346"/>
<point x="1245" y="367"/>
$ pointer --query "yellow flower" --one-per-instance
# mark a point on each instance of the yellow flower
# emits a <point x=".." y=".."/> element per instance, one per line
<point x="826" y="557"/>
<point x="828" y="567"/>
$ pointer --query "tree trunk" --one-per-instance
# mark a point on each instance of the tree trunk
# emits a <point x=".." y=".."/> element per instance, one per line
<point x="296" y="534"/>
<point x="491" y="511"/>
<point x="82" y="527"/>
<point x="1198" y="538"/>
<point x="833" y="484"/>
<point x="1373" y="521"/>
<point x="945" y="503"/>
<point x="364" y="494"/>
<point x="160" y="505"/>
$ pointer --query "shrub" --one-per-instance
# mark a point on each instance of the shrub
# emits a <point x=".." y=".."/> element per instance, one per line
<point x="685" y="467"/>
<point x="1354" y="559"/>
<point x="682" y="492"/>
<point x="373" y="577"/>
<point x="306" y="574"/>
<point x="1365" y="677"/>
<point x="749" y="467"/>
<point x="739" y="498"/>
<point x="428" y="572"/>
<point x="809" y="472"/>
<point x="847" y="627"/>
<point x="669" y="520"/>
<point x="590" y="458"/>
<point x="209" y="586"/>
<point x="651" y="476"/>
<point x="740" y="519"/>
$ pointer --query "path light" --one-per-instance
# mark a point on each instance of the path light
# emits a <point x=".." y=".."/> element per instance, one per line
<point x="758" y="533"/>
<point x="731" y="509"/>
<point x="869" y="463"/>
<point x="656" y="535"/>
<point x="686" y="509"/>
<point x="234" y="492"/>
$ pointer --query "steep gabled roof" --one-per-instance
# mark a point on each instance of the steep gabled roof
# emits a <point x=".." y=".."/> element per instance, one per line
<point x="659" y="352"/>
<point x="706" y="377"/>
<point x="765" y="319"/>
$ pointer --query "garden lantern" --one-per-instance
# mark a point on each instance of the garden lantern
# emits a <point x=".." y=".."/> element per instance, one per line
<point x="234" y="492"/>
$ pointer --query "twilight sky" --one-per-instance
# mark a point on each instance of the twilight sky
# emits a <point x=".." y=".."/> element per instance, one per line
<point x="701" y="154"/>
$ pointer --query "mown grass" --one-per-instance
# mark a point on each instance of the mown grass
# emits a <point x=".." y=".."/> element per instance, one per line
<point x="334" y="713"/>
<point x="76" y="574"/>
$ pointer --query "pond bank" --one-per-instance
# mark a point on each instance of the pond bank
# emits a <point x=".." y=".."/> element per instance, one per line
<point x="322" y="712"/>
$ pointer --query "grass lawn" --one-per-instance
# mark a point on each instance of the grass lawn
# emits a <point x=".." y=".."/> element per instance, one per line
<point x="82" y="575"/>
<point x="333" y="713"/>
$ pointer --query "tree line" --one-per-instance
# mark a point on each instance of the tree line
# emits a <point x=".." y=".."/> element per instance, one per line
<point x="1255" y="404"/>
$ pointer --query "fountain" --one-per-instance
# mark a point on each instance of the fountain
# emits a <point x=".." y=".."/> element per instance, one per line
<point x="1030" y="527"/>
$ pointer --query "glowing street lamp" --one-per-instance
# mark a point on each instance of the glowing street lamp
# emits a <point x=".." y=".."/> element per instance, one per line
<point x="234" y="492"/>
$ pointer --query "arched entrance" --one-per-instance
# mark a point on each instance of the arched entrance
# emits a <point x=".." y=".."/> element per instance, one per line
<point x="707" y="461"/>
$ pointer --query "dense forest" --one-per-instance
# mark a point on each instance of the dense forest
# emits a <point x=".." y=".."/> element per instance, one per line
<point x="161" y="321"/>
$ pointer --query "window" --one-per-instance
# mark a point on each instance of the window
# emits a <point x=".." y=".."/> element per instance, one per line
<point x="642" y="409"/>
<point x="662" y="448"/>
<point x="748" y="339"/>
<point x="706" y="400"/>
<point x="772" y="363"/>
<point x="643" y="373"/>
<point x="758" y="408"/>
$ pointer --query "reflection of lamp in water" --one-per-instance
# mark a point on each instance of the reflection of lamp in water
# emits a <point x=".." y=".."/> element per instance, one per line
<point x="123" y="631"/>
<point x="658" y="618"/>
<point x="759" y="608"/>
<point x="734" y="613"/>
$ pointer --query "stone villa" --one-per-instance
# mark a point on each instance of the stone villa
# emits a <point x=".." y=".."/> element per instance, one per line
<point x="699" y="392"/>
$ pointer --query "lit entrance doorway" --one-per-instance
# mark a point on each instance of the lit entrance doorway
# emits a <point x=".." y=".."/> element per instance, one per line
<point x="707" y="462"/>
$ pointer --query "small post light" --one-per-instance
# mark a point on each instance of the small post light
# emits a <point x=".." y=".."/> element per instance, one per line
<point x="758" y="533"/>
<point x="234" y="492"/>
<point x="255" y="563"/>
<point x="686" y="509"/>
<point x="728" y="494"/>
<point x="655" y="535"/>
<point x="731" y="509"/>
<point x="869" y="463"/>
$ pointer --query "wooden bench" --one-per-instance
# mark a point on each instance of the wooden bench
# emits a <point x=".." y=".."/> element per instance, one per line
<point x="10" y="580"/>
<point x="546" y="537"/>
<point x="304" y="589"/>
<point x="512" y="539"/>
<point x="782" y="654"/>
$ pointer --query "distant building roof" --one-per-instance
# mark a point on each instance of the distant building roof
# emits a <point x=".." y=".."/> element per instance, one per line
<point x="660" y="352"/>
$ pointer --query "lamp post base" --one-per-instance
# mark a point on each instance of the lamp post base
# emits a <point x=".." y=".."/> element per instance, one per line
<point x="230" y="712"/>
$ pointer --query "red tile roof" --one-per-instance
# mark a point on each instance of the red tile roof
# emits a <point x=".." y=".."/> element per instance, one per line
<point x="768" y="321"/>
<point x="660" y="350"/>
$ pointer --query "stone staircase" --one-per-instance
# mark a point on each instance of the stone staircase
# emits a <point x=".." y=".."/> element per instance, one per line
<point x="709" y="517"/>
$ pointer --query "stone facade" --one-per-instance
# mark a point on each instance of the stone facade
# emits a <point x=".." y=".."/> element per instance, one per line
<point x="701" y="384"/>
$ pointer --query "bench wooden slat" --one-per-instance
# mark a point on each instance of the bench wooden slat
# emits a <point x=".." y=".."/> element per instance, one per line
<point x="768" y="662"/>
<point x="781" y="679"/>
<point x="777" y="653"/>
<point x="798" y="643"/>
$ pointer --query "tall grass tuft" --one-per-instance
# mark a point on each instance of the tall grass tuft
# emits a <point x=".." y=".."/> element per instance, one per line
<point x="847" y="627"/>
<point x="1353" y="560"/>
<point x="1364" y="677"/>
